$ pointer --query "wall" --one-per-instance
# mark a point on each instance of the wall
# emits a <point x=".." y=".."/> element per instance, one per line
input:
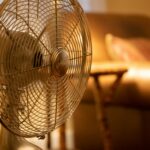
<point x="128" y="6"/>
<point x="94" y="5"/>
<point x="117" y="6"/>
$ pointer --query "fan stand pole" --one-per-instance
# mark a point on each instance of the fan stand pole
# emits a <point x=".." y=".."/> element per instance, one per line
<point x="100" y="100"/>
<point x="62" y="137"/>
<point x="9" y="141"/>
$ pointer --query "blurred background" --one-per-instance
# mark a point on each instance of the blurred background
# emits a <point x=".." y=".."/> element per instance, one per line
<point x="120" y="32"/>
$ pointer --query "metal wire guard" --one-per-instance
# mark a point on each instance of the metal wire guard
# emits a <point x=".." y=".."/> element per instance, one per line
<point x="45" y="59"/>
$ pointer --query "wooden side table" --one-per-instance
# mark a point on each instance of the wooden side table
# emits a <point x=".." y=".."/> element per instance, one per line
<point x="100" y="98"/>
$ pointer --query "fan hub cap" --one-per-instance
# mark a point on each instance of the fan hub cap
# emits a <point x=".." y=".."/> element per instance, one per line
<point x="60" y="63"/>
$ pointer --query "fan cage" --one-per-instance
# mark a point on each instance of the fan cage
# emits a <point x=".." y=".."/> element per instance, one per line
<point x="45" y="60"/>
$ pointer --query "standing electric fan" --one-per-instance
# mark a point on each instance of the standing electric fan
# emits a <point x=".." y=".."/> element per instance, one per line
<point x="45" y="60"/>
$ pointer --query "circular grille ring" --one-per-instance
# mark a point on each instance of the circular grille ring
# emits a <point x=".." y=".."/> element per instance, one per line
<point x="45" y="60"/>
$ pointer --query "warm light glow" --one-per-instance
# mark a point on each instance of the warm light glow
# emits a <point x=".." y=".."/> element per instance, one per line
<point x="70" y="134"/>
<point x="139" y="73"/>
<point x="55" y="139"/>
<point x="36" y="142"/>
<point x="93" y="5"/>
<point x="25" y="148"/>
